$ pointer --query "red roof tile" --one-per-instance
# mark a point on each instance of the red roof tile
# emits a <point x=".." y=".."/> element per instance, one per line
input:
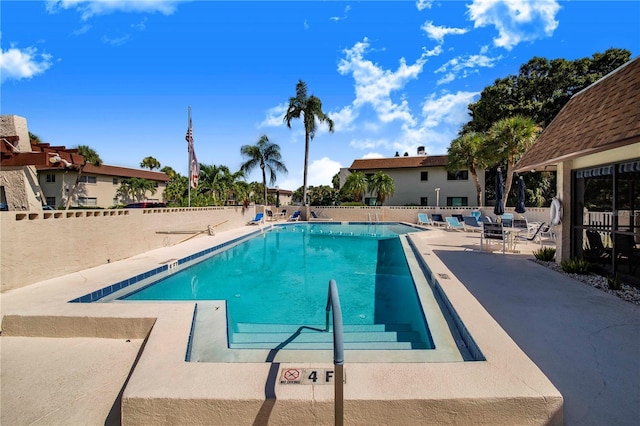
<point x="399" y="162"/>
<point x="603" y="116"/>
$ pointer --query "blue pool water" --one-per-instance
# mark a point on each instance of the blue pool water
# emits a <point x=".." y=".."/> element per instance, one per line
<point x="281" y="277"/>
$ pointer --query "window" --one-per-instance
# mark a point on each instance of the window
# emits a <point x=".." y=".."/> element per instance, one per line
<point x="87" y="201"/>
<point x="51" y="201"/>
<point x="370" y="201"/>
<point x="424" y="201"/>
<point x="156" y="184"/>
<point x="457" y="202"/>
<point x="51" y="178"/>
<point x="115" y="181"/>
<point x="424" y="176"/>
<point x="458" y="175"/>
<point x="88" y="179"/>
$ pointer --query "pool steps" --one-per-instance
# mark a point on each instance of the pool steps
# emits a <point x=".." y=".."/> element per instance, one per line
<point x="370" y="337"/>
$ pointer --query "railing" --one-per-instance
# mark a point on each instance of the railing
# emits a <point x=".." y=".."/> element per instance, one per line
<point x="333" y="303"/>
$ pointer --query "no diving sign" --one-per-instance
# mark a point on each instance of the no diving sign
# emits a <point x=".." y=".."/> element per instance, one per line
<point x="307" y="376"/>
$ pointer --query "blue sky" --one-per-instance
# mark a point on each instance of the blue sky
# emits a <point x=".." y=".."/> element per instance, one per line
<point x="119" y="75"/>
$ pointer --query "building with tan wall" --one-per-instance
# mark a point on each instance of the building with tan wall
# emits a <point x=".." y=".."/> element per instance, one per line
<point x="422" y="180"/>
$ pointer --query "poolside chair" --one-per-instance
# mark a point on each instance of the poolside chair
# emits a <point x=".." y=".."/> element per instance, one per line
<point x="257" y="220"/>
<point x="282" y="214"/>
<point x="423" y="219"/>
<point x="270" y="216"/>
<point x="295" y="216"/>
<point x="438" y="220"/>
<point x="493" y="232"/>
<point x="459" y="217"/>
<point x="596" y="251"/>
<point x="471" y="224"/>
<point x="534" y="235"/>
<point x="476" y="214"/>
<point x="454" y="223"/>
<point x="314" y="216"/>
<point x="626" y="251"/>
<point x="507" y="220"/>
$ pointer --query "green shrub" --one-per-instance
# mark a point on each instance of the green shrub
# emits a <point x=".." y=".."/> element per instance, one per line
<point x="545" y="254"/>
<point x="613" y="282"/>
<point x="575" y="266"/>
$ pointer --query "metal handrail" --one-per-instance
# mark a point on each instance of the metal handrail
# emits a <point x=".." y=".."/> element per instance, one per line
<point x="333" y="303"/>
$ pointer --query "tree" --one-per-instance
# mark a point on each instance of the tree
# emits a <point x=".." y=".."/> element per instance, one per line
<point x="90" y="157"/>
<point x="508" y="139"/>
<point x="266" y="155"/>
<point x="35" y="138"/>
<point x="135" y="188"/>
<point x="310" y="108"/>
<point x="335" y="181"/>
<point x="465" y="152"/>
<point x="176" y="190"/>
<point x="168" y="170"/>
<point x="356" y="185"/>
<point x="541" y="88"/>
<point x="382" y="185"/>
<point x="150" y="163"/>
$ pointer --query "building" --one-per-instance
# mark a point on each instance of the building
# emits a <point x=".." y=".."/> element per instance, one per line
<point x="421" y="180"/>
<point x="594" y="143"/>
<point x="35" y="174"/>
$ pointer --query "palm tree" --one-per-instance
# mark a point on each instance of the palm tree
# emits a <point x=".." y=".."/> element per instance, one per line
<point x="382" y="185"/>
<point x="356" y="185"/>
<point x="310" y="107"/>
<point x="150" y="163"/>
<point x="90" y="157"/>
<point x="266" y="155"/>
<point x="509" y="138"/>
<point x="465" y="152"/>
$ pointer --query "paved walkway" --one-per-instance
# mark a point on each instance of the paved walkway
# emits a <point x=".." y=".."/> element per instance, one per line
<point x="586" y="341"/>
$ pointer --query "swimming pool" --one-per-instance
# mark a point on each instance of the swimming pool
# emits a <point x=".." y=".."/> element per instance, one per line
<point x="272" y="288"/>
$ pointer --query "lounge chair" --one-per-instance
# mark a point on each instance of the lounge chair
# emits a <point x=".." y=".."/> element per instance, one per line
<point x="596" y="251"/>
<point x="459" y="217"/>
<point x="535" y="234"/>
<point x="314" y="216"/>
<point x="493" y="232"/>
<point x="476" y="214"/>
<point x="471" y="224"/>
<point x="257" y="220"/>
<point x="423" y="219"/>
<point x="438" y="219"/>
<point x="507" y="220"/>
<point x="626" y="252"/>
<point x="270" y="216"/>
<point x="454" y="223"/>
<point x="295" y="216"/>
<point x="282" y="214"/>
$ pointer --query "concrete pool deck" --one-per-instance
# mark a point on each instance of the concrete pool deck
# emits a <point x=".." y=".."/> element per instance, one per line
<point x="506" y="387"/>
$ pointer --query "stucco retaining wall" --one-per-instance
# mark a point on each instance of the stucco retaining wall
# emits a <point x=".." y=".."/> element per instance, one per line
<point x="38" y="245"/>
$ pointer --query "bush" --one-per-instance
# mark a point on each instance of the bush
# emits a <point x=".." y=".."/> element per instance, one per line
<point x="545" y="254"/>
<point x="613" y="282"/>
<point x="575" y="266"/>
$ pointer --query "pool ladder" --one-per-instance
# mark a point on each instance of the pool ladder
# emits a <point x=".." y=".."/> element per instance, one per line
<point x="333" y="304"/>
<point x="376" y="216"/>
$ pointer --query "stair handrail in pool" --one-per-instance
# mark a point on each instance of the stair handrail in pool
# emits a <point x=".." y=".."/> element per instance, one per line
<point x="333" y="303"/>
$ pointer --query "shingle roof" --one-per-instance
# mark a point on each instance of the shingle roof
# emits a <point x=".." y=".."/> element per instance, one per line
<point x="603" y="116"/>
<point x="116" y="171"/>
<point x="399" y="162"/>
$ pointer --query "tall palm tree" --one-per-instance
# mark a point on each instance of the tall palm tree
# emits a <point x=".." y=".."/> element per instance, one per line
<point x="310" y="107"/>
<point x="509" y="138"/>
<point x="465" y="152"/>
<point x="266" y="155"/>
<point x="382" y="185"/>
<point x="356" y="185"/>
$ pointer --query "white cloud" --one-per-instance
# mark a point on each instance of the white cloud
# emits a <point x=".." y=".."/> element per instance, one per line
<point x="368" y="143"/>
<point x="449" y="109"/>
<point x="322" y="171"/>
<point x="344" y="16"/>
<point x="16" y="64"/>
<point x="374" y="85"/>
<point x="343" y="119"/>
<point x="90" y="8"/>
<point x="516" y="20"/>
<point x="462" y="64"/>
<point x="371" y="155"/>
<point x="438" y="33"/>
<point x="274" y="116"/>
<point x="306" y="24"/>
<point x="82" y="30"/>
<point x="116" y="41"/>
<point x="423" y="4"/>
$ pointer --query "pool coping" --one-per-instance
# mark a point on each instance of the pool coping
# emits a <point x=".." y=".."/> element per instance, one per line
<point x="507" y="388"/>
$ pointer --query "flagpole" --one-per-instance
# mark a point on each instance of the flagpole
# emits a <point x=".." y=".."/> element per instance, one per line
<point x="189" y="155"/>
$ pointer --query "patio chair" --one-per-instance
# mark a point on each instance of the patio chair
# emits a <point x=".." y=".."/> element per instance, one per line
<point x="493" y="232"/>
<point x="438" y="220"/>
<point x="454" y="223"/>
<point x="534" y="235"/>
<point x="283" y="214"/>
<point x="459" y="217"/>
<point x="471" y="224"/>
<point x="257" y="220"/>
<point x="626" y="251"/>
<point x="507" y="220"/>
<point x="270" y="216"/>
<point x="596" y="252"/>
<point x="547" y="232"/>
<point x="314" y="216"/>
<point x="423" y="219"/>
<point x="295" y="216"/>
<point x="477" y="214"/>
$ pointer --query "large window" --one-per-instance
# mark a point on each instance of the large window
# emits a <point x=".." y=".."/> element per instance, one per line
<point x="458" y="175"/>
<point x="605" y="222"/>
<point x="51" y="201"/>
<point x="87" y="201"/>
<point x="88" y="179"/>
<point x="457" y="202"/>
<point x="424" y="176"/>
